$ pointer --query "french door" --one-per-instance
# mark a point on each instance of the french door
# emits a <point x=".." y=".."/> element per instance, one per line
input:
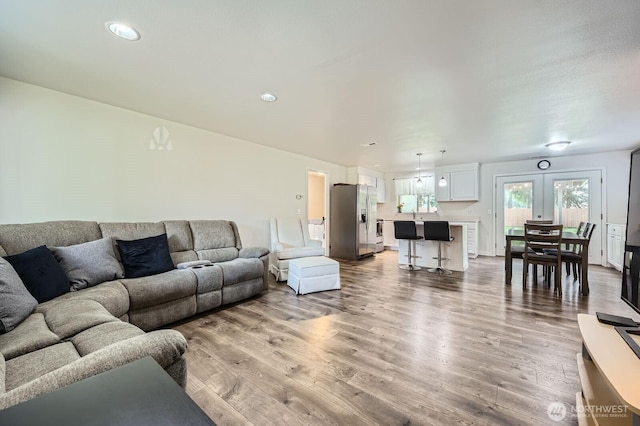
<point x="567" y="198"/>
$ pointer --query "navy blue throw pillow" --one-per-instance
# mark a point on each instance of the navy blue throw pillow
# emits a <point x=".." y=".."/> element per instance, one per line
<point x="41" y="274"/>
<point x="146" y="256"/>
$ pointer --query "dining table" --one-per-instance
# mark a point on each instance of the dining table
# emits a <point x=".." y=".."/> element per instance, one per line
<point x="567" y="238"/>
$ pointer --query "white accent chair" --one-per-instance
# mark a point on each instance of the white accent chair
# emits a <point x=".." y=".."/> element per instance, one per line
<point x="290" y="240"/>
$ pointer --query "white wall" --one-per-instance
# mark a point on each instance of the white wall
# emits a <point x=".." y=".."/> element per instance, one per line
<point x="615" y="166"/>
<point x="65" y="157"/>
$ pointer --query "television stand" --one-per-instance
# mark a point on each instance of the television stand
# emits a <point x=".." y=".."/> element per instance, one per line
<point x="609" y="374"/>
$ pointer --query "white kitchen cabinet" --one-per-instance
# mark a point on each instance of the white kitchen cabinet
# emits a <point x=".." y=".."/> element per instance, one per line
<point x="367" y="180"/>
<point x="462" y="183"/>
<point x="472" y="236"/>
<point x="362" y="176"/>
<point x="381" y="188"/>
<point x="472" y="239"/>
<point x="389" y="235"/>
<point x="615" y="245"/>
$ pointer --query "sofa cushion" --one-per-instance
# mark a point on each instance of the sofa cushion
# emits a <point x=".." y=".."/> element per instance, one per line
<point x="161" y="288"/>
<point x="32" y="365"/>
<point x="218" y="255"/>
<point x="16" y="303"/>
<point x="112" y="295"/>
<point x="73" y="316"/>
<point x="40" y="273"/>
<point x="295" y="252"/>
<point x="32" y="334"/>
<point x="90" y="263"/>
<point x="156" y="316"/>
<point x="240" y="270"/>
<point x="164" y="346"/>
<point x="289" y="231"/>
<point x="213" y="234"/>
<point x="183" y="256"/>
<point x="17" y="238"/>
<point x="102" y="335"/>
<point x="145" y="256"/>
<point x="130" y="231"/>
<point x="179" y="235"/>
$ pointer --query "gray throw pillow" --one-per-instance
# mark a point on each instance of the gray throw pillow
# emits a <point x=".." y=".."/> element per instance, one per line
<point x="16" y="303"/>
<point x="88" y="264"/>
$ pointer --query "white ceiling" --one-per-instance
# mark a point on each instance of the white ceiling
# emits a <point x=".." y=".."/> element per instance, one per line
<point x="490" y="80"/>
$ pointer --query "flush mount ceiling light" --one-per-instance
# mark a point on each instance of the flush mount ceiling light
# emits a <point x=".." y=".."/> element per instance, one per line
<point x="442" y="182"/>
<point x="123" y="30"/>
<point x="558" y="146"/>
<point x="419" y="181"/>
<point x="268" y="97"/>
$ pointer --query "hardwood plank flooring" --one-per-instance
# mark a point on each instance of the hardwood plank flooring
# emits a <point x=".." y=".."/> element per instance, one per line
<point x="394" y="347"/>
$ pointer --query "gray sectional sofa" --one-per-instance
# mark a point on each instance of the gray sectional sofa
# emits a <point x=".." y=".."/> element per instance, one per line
<point x="85" y="332"/>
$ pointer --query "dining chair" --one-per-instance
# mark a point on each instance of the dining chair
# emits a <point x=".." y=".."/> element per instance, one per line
<point x="570" y="249"/>
<point x="574" y="258"/>
<point x="537" y="238"/>
<point x="516" y="250"/>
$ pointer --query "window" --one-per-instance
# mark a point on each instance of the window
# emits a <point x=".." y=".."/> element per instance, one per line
<point x="413" y="198"/>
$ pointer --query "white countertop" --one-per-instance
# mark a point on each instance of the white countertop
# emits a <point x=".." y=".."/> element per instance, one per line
<point x="407" y="216"/>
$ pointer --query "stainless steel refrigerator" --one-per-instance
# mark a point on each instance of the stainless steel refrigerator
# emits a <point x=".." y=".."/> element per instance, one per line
<point x="352" y="221"/>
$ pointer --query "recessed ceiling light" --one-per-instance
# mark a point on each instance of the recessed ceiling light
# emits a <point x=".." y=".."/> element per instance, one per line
<point x="558" y="146"/>
<point x="123" y="30"/>
<point x="368" y="144"/>
<point x="268" y="97"/>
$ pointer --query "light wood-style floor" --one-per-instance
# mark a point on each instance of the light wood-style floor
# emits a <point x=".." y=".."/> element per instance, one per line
<point x="396" y="348"/>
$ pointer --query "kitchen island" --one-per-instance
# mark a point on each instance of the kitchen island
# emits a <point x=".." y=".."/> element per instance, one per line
<point x="455" y="251"/>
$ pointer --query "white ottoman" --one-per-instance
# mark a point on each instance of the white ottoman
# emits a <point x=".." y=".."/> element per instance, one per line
<point x="310" y="274"/>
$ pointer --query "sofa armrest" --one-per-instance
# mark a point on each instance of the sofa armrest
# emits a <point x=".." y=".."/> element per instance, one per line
<point x="253" y="252"/>
<point x="314" y="243"/>
<point x="164" y="346"/>
<point x="283" y="246"/>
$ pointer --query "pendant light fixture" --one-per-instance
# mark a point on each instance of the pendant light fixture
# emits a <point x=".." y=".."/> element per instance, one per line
<point x="419" y="181"/>
<point x="442" y="182"/>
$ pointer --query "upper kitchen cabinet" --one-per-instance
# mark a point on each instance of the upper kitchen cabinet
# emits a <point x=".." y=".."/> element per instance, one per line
<point x="462" y="183"/>
<point x="362" y="176"/>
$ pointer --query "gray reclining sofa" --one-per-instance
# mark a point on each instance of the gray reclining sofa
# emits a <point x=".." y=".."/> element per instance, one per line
<point x="85" y="332"/>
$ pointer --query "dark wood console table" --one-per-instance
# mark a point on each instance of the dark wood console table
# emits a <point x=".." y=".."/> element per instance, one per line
<point x="140" y="393"/>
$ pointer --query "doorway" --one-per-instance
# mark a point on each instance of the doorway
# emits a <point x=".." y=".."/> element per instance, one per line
<point x="567" y="198"/>
<point x="317" y="194"/>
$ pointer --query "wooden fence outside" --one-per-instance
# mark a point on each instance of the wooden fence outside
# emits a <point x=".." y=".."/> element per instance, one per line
<point x="570" y="217"/>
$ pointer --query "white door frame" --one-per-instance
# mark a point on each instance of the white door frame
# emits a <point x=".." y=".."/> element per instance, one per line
<point x="326" y="204"/>
<point x="603" y="196"/>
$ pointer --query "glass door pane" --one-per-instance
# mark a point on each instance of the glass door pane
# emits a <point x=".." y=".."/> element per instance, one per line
<point x="571" y="202"/>
<point x="518" y="205"/>
<point x="519" y="198"/>
<point x="574" y="197"/>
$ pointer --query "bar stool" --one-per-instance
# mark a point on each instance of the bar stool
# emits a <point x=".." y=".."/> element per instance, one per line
<point x="406" y="230"/>
<point x="438" y="230"/>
